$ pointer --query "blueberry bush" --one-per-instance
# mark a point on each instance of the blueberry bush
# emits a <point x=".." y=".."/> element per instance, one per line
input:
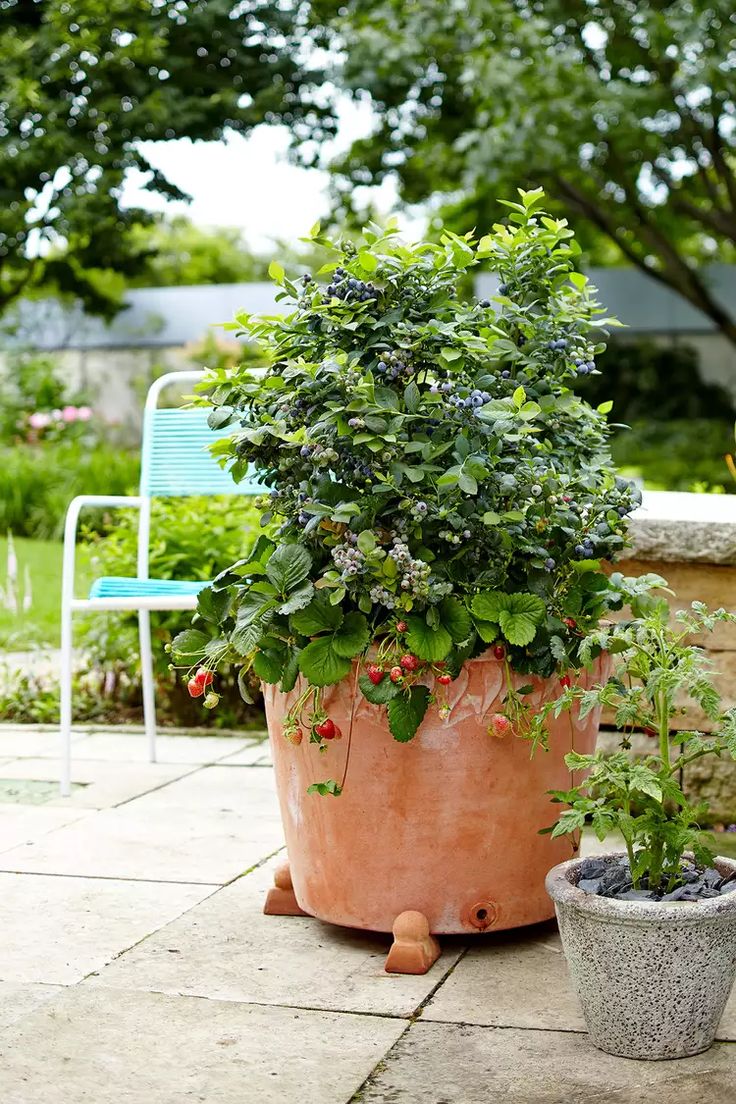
<point x="433" y="486"/>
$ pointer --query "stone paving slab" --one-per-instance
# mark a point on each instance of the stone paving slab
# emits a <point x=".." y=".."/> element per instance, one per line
<point x="23" y="824"/>
<point x="18" y="1001"/>
<point x="32" y="744"/>
<point x="227" y="949"/>
<point x="256" y="755"/>
<point x="117" y="746"/>
<point x="453" y="1064"/>
<point x="512" y="979"/>
<point x="520" y="979"/>
<point x="102" y="784"/>
<point x="102" y="1047"/>
<point x="167" y="845"/>
<point x="217" y="788"/>
<point x="58" y="930"/>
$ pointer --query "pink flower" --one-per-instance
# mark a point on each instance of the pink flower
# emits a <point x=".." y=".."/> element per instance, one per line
<point x="69" y="414"/>
<point x="84" y="413"/>
<point x="39" y="420"/>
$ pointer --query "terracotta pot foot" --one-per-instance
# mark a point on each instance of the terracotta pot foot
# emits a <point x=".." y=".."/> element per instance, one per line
<point x="280" y="899"/>
<point x="413" y="950"/>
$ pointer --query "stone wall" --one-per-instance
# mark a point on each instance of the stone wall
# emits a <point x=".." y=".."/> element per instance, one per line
<point x="691" y="541"/>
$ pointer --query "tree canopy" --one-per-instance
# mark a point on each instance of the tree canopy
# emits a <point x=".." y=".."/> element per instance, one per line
<point x="82" y="87"/>
<point x="623" y="110"/>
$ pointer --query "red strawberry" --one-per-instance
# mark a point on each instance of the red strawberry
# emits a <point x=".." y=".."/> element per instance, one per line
<point x="500" y="726"/>
<point x="566" y="681"/>
<point x="204" y="677"/>
<point x="571" y="622"/>
<point x="338" y="733"/>
<point x="444" y="680"/>
<point x="499" y="651"/>
<point x="326" y="729"/>
<point x="195" y="688"/>
<point x="375" y="674"/>
<point x="409" y="662"/>
<point x="395" y="674"/>
<point x="649" y="731"/>
<point x="401" y="626"/>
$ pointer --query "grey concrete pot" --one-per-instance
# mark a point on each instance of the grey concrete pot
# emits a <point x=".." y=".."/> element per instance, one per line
<point x="653" y="979"/>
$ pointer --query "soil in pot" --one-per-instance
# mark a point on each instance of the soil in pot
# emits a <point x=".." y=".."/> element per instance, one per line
<point x="612" y="878"/>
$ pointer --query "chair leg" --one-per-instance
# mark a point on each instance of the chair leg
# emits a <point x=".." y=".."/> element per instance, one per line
<point x="65" y="701"/>
<point x="149" y="696"/>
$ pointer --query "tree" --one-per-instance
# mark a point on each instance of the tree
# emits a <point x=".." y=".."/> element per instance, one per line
<point x="175" y="252"/>
<point x="83" y="86"/>
<point x="623" y="110"/>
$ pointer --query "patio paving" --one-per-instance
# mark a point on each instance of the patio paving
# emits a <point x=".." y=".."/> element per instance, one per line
<point x="137" y="967"/>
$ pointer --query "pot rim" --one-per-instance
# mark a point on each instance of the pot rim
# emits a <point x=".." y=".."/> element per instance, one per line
<point x="564" y="892"/>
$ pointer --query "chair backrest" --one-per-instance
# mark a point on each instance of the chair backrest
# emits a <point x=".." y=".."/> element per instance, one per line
<point x="175" y="455"/>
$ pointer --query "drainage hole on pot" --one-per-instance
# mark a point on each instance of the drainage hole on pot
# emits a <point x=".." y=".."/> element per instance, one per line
<point x="482" y="914"/>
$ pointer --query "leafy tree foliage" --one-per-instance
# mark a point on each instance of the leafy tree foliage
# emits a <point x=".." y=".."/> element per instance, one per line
<point x="82" y="87"/>
<point x="622" y="110"/>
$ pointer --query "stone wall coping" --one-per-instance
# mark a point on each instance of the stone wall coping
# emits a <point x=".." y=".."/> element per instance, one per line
<point x="679" y="526"/>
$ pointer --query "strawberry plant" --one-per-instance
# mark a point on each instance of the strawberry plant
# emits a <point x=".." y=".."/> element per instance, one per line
<point x="433" y="485"/>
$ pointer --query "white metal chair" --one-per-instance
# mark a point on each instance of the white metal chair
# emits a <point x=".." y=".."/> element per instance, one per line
<point x="175" y="461"/>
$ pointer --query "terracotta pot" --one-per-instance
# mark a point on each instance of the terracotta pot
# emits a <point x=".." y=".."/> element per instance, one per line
<point x="446" y="825"/>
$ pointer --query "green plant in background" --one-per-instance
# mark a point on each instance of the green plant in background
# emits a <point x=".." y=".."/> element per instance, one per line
<point x="191" y="539"/>
<point x="37" y="483"/>
<point x="656" y="670"/>
<point x="677" y="456"/>
<point x="437" y="485"/>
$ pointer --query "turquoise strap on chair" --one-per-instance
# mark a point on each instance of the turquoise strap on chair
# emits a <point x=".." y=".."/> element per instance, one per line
<point x="175" y="456"/>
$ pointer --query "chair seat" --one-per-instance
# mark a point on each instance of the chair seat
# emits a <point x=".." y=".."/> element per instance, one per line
<point x="116" y="586"/>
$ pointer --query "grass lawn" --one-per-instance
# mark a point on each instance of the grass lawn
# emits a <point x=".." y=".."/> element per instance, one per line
<point x="38" y="625"/>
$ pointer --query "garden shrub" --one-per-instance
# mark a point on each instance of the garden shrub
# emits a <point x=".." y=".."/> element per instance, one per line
<point x="191" y="539"/>
<point x="37" y="482"/>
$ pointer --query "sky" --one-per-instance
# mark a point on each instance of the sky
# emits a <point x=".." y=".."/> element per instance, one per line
<point x="249" y="182"/>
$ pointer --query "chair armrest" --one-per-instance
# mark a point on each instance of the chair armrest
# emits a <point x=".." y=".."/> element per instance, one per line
<point x="70" y="532"/>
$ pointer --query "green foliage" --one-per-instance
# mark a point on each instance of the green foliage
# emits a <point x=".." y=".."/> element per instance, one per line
<point x="175" y="252"/>
<point x="652" y="383"/>
<point x="425" y="457"/>
<point x="656" y="670"/>
<point x="191" y="537"/>
<point x="82" y="96"/>
<point x="37" y="482"/>
<point x="677" y="456"/>
<point x="622" y="113"/>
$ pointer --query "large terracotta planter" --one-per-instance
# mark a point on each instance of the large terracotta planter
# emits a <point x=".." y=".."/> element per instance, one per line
<point x="446" y="825"/>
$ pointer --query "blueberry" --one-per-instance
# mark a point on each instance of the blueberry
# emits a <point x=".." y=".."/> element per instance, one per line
<point x="622" y="511"/>
<point x="485" y="396"/>
<point x="433" y="389"/>
<point x="562" y="343"/>
<point x="474" y="393"/>
<point x="303" y="518"/>
<point x="506" y="374"/>
<point x="485" y="303"/>
<point x="551" y="344"/>
<point x="591" y="365"/>
<point x="304" y="451"/>
<point x="502" y="289"/>
<point x="466" y="403"/>
<point x="476" y="400"/>
<point x="579" y="551"/>
<point x="583" y="370"/>
<point x="447" y="386"/>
